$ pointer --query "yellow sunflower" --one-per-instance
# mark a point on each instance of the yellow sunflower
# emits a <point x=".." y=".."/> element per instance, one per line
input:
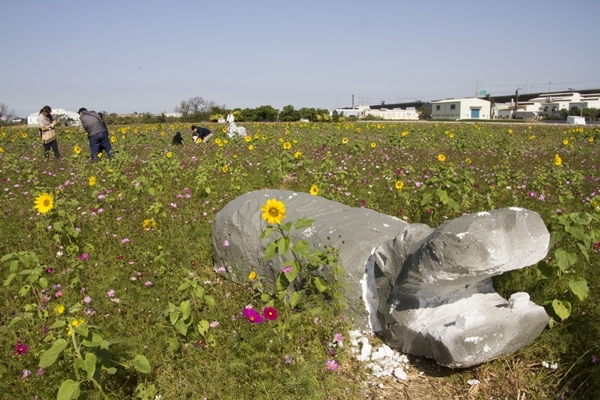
<point x="248" y="138"/>
<point x="298" y="154"/>
<point x="345" y="140"/>
<point x="250" y="147"/>
<point x="59" y="309"/>
<point x="287" y="145"/>
<point x="314" y="190"/>
<point x="252" y="275"/>
<point x="77" y="150"/>
<point x="169" y="154"/>
<point x="441" y="157"/>
<point x="373" y="145"/>
<point x="225" y="168"/>
<point x="399" y="185"/>
<point x="113" y="139"/>
<point x="92" y="180"/>
<point x="273" y="211"/>
<point x="44" y="203"/>
<point x="557" y="160"/>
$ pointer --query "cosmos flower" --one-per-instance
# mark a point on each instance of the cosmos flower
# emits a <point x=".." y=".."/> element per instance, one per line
<point x="253" y="316"/>
<point x="270" y="313"/>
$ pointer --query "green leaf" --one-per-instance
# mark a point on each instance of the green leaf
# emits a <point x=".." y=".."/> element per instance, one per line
<point x="96" y="340"/>
<point x="579" y="288"/>
<point x="264" y="297"/>
<point x="546" y="269"/>
<point x="286" y="227"/>
<point x="561" y="308"/>
<point x="565" y="259"/>
<point x="141" y="364"/>
<point x="210" y="300"/>
<point x="58" y="324"/>
<point x="281" y="282"/>
<point x="68" y="390"/>
<point x="43" y="282"/>
<point x="90" y="365"/>
<point x="186" y="309"/>
<point x="295" y="299"/>
<point x="291" y="276"/>
<point x="50" y="355"/>
<point x="198" y="291"/>
<point x="267" y="232"/>
<point x="270" y="251"/>
<point x="320" y="284"/>
<point x="174" y="317"/>
<point x="184" y="286"/>
<point x="9" y="279"/>
<point x="203" y="327"/>
<point x="301" y="248"/>
<point x="283" y="244"/>
<point x="181" y="327"/>
<point x="302" y="223"/>
<point x="82" y="329"/>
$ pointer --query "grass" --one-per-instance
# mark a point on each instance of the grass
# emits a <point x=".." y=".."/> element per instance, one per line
<point x="142" y="228"/>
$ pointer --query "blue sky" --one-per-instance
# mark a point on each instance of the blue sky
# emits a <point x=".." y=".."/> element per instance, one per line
<point x="147" y="56"/>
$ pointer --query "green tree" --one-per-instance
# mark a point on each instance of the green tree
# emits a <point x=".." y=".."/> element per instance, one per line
<point x="289" y="114"/>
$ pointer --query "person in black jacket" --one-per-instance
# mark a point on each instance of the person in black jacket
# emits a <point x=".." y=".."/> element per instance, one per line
<point x="177" y="139"/>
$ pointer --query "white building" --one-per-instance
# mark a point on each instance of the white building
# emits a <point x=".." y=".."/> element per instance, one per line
<point x="469" y="108"/>
<point x="70" y="117"/>
<point x="410" y="113"/>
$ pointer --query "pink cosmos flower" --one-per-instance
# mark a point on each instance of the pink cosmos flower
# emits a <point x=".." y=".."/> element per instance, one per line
<point x="87" y="299"/>
<point x="25" y="374"/>
<point x="110" y="293"/>
<point x="226" y="243"/>
<point x="338" y="337"/>
<point x="83" y="257"/>
<point x="214" y="324"/>
<point x="147" y="283"/>
<point x="287" y="269"/>
<point x="270" y="313"/>
<point x="253" y="316"/>
<point x="331" y="365"/>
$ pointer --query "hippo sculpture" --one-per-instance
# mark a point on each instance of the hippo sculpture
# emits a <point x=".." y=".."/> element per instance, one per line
<point x="425" y="291"/>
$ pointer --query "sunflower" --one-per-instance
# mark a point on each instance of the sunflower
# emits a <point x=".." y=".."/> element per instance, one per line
<point x="441" y="157"/>
<point x="345" y="140"/>
<point x="92" y="181"/>
<point x="287" y="145"/>
<point x="557" y="160"/>
<point x="169" y="154"/>
<point x="250" y="147"/>
<point x="225" y="168"/>
<point x="314" y="190"/>
<point x="373" y="145"/>
<point x="77" y="150"/>
<point x="297" y="154"/>
<point x="273" y="211"/>
<point x="248" y="138"/>
<point x="399" y="185"/>
<point x="113" y="139"/>
<point x="44" y="203"/>
<point x="252" y="275"/>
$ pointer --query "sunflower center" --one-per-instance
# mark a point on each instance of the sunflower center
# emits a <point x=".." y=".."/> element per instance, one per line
<point x="46" y="202"/>
<point x="273" y="212"/>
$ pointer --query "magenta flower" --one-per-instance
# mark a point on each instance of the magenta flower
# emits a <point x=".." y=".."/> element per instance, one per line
<point x="226" y="243"/>
<point x="40" y="371"/>
<point x="124" y="241"/>
<point x="110" y="293"/>
<point x="83" y="257"/>
<point x="21" y="348"/>
<point x="253" y="316"/>
<point x="287" y="269"/>
<point x="338" y="338"/>
<point x="331" y="365"/>
<point x="270" y="313"/>
<point x="147" y="283"/>
<point x="87" y="299"/>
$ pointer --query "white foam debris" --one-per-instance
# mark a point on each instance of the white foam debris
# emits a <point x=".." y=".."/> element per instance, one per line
<point x="516" y="208"/>
<point x="483" y="214"/>
<point x="381" y="361"/>
<point x="461" y="235"/>
<point x="473" y="382"/>
<point x="473" y="339"/>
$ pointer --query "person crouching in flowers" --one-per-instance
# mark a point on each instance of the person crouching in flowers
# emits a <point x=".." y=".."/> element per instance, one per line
<point x="200" y="134"/>
<point x="47" y="132"/>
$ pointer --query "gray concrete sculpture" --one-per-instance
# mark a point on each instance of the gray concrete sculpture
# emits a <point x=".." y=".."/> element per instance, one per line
<point x="426" y="291"/>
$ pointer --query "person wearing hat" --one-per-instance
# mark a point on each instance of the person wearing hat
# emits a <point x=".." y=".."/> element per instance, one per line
<point x="97" y="132"/>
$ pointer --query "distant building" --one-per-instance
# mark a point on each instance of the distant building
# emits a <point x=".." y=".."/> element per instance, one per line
<point x="469" y="108"/>
<point x="409" y="113"/>
<point x="71" y="117"/>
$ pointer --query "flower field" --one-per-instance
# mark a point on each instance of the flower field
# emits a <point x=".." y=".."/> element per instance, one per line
<point x="109" y="292"/>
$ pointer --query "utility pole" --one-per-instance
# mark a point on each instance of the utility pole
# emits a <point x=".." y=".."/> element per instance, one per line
<point x="516" y="103"/>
